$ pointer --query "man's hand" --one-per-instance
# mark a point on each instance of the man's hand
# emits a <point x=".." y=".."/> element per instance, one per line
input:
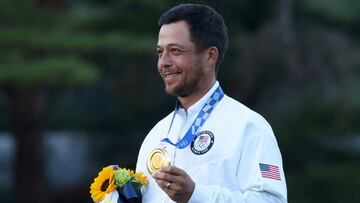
<point x="175" y="182"/>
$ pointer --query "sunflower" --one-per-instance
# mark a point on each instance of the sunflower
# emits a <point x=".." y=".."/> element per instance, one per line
<point x="138" y="176"/>
<point x="103" y="184"/>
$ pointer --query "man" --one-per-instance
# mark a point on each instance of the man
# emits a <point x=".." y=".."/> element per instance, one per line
<point x="211" y="148"/>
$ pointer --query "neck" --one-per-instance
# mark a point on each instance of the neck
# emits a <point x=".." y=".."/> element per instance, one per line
<point x="187" y="101"/>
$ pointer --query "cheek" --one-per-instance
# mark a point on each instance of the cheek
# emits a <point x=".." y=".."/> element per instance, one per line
<point x="183" y="63"/>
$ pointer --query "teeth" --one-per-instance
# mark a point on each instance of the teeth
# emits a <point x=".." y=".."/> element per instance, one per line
<point x="170" y="76"/>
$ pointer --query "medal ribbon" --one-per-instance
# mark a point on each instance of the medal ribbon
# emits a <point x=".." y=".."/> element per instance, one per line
<point x="199" y="120"/>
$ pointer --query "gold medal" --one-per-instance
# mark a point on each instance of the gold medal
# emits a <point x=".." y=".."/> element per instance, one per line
<point x="158" y="158"/>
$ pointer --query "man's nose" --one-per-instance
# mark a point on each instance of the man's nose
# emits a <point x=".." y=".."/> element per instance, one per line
<point x="164" y="60"/>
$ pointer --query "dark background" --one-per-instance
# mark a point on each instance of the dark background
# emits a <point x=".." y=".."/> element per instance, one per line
<point x="79" y="90"/>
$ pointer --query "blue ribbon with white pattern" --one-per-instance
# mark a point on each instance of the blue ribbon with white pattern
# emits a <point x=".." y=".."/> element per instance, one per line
<point x="199" y="120"/>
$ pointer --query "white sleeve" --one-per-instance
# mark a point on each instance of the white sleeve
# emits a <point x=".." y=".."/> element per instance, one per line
<point x="258" y="148"/>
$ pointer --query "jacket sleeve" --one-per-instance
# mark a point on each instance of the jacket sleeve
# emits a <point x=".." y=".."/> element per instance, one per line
<point x="260" y="175"/>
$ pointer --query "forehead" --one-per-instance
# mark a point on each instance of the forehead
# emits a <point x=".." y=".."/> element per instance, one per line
<point x="174" y="33"/>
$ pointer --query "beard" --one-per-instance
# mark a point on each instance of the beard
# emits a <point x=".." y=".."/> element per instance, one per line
<point x="187" y="86"/>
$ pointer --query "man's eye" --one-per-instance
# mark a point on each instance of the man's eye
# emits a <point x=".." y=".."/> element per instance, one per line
<point x="176" y="51"/>
<point x="159" y="52"/>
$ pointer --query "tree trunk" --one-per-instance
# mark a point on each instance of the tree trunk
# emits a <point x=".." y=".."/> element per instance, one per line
<point x="289" y="38"/>
<point x="27" y="121"/>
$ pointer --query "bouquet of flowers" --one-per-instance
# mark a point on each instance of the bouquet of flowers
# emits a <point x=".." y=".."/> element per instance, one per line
<point x="117" y="185"/>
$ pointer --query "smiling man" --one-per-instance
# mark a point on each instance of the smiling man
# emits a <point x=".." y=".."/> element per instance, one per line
<point x="211" y="148"/>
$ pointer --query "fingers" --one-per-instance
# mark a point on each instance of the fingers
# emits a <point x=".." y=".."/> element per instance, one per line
<point x="164" y="176"/>
<point x="175" y="182"/>
<point x="169" y="174"/>
<point x="165" y="185"/>
<point x="172" y="170"/>
<point x="167" y="177"/>
<point x="172" y="175"/>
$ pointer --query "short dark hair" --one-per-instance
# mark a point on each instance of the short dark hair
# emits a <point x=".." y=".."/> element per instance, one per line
<point x="207" y="28"/>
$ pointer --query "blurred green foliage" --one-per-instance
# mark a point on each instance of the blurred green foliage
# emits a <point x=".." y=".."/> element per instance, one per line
<point x="74" y="43"/>
<point x="341" y="12"/>
<point x="49" y="71"/>
<point x="295" y="62"/>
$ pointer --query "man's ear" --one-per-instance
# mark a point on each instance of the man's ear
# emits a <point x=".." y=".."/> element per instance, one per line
<point x="212" y="56"/>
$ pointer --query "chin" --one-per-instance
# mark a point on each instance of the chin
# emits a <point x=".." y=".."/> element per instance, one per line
<point x="180" y="92"/>
<point x="170" y="91"/>
<point x="173" y="90"/>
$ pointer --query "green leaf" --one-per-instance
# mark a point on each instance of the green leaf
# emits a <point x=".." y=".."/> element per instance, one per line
<point x="66" y="71"/>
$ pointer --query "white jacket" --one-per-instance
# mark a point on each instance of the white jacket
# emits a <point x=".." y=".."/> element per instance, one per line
<point x="225" y="159"/>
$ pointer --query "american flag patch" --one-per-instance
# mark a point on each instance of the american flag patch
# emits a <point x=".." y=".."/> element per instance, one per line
<point x="270" y="171"/>
<point x="203" y="138"/>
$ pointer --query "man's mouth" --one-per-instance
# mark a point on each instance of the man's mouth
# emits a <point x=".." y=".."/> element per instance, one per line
<point x="168" y="77"/>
